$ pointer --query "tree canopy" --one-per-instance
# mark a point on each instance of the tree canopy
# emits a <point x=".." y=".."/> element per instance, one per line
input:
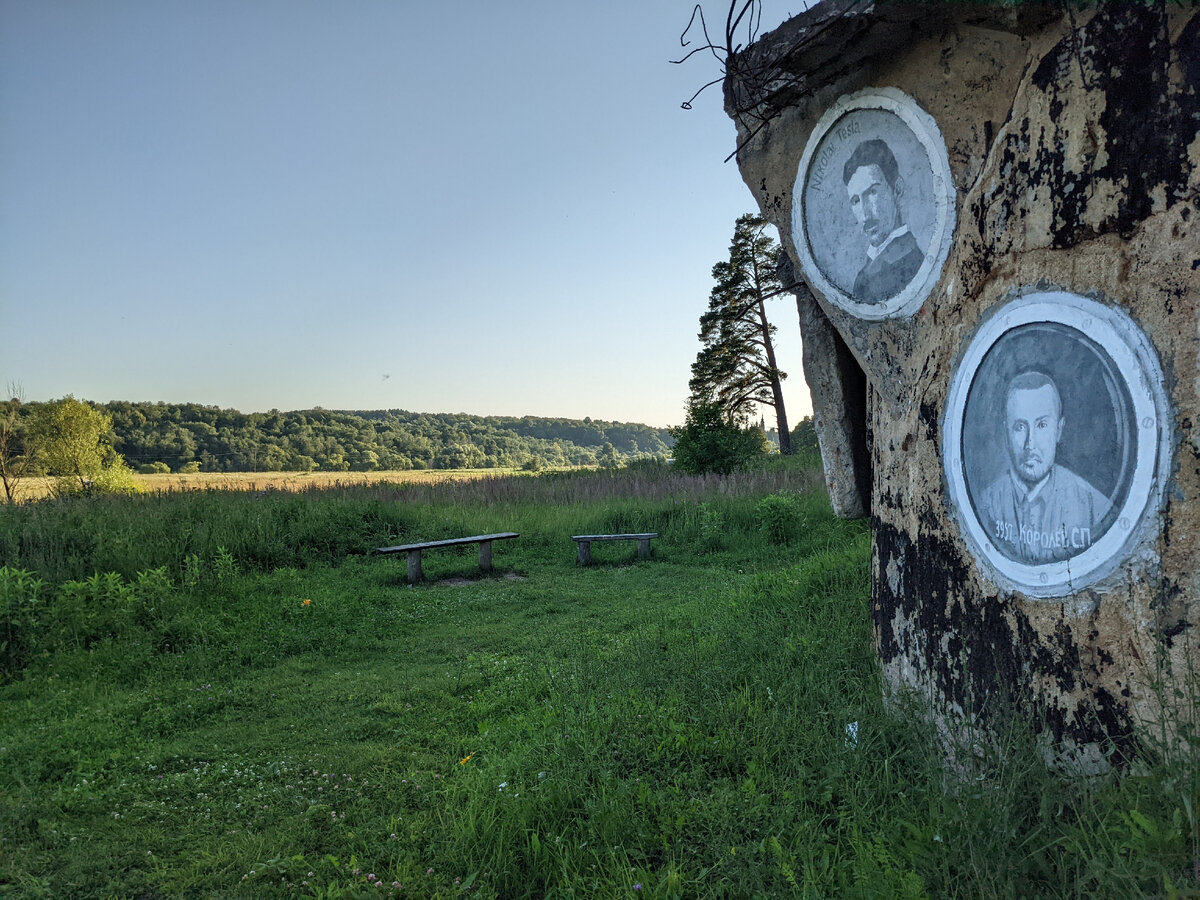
<point x="69" y="440"/>
<point x="735" y="370"/>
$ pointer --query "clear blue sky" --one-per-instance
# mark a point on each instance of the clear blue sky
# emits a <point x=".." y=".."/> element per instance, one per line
<point x="481" y="207"/>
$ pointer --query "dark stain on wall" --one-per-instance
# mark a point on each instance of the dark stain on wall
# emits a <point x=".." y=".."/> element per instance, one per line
<point x="1125" y="53"/>
<point x="981" y="652"/>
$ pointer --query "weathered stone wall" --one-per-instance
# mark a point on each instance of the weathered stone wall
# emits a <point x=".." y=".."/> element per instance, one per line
<point x="1074" y="161"/>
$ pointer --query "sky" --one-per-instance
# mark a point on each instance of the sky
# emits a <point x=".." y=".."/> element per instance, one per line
<point x="478" y="207"/>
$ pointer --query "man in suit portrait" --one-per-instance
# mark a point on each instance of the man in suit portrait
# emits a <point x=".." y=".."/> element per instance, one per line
<point x="875" y="188"/>
<point x="1038" y="511"/>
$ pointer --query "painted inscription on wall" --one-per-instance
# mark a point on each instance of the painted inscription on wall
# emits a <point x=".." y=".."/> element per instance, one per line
<point x="1054" y="440"/>
<point x="873" y="204"/>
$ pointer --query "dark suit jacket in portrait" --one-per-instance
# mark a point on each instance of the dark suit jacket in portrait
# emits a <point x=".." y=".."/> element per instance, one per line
<point x="890" y="272"/>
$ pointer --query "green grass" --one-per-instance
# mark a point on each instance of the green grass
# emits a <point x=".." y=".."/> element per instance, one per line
<point x="666" y="728"/>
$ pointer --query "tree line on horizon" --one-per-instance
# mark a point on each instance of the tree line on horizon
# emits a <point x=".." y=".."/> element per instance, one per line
<point x="189" y="437"/>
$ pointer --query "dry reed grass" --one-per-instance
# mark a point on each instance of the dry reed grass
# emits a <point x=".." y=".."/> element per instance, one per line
<point x="40" y="488"/>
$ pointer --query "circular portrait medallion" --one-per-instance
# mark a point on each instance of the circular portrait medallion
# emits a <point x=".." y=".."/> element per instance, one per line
<point x="873" y="206"/>
<point x="1055" y="439"/>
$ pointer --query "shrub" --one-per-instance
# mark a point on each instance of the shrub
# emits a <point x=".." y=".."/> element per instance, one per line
<point x="708" y="442"/>
<point x="154" y="468"/>
<point x="189" y="468"/>
<point x="780" y="517"/>
<point x="804" y="437"/>
<point x="20" y="598"/>
<point x="712" y="528"/>
<point x="116" y="479"/>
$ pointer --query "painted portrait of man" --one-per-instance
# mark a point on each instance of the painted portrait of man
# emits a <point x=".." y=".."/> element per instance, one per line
<point x="1039" y="511"/>
<point x="875" y="190"/>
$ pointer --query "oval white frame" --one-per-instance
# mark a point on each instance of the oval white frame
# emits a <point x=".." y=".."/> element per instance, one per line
<point x="922" y="125"/>
<point x="1135" y="358"/>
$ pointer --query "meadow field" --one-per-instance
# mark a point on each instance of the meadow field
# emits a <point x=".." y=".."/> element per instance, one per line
<point x="39" y="488"/>
<point x="223" y="693"/>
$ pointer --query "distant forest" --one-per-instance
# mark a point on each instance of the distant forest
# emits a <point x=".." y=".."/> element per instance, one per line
<point x="187" y="437"/>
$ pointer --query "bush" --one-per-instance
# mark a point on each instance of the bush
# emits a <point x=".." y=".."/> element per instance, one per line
<point x="712" y="528"/>
<point x="116" y="479"/>
<point x="780" y="517"/>
<point x="189" y="468"/>
<point x="707" y="442"/>
<point x="154" y="468"/>
<point x="20" y="604"/>
<point x="804" y="437"/>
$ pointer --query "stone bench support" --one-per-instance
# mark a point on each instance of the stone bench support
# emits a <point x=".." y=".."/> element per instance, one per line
<point x="414" y="551"/>
<point x="585" y="543"/>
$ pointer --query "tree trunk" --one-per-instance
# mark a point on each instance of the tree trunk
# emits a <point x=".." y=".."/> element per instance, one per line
<point x="785" y="436"/>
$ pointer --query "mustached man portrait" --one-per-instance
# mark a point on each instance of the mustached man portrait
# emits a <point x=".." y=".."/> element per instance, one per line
<point x="876" y="192"/>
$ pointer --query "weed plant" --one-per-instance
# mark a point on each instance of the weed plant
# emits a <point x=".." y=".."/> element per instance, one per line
<point x="221" y="695"/>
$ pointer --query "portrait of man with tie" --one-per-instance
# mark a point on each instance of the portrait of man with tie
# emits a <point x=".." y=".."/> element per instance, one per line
<point x="1039" y="511"/>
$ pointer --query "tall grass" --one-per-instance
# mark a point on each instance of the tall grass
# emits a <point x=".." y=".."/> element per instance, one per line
<point x="76" y="537"/>
<point x="707" y="723"/>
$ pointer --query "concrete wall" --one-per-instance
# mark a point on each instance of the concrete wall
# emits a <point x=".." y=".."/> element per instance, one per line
<point x="1049" y="162"/>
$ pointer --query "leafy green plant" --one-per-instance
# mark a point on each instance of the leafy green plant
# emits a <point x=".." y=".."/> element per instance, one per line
<point x="20" y="607"/>
<point x="712" y="527"/>
<point x="780" y="517"/>
<point x="87" y="611"/>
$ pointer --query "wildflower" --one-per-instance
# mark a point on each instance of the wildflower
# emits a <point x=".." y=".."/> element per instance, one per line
<point x="371" y="877"/>
<point x="503" y="785"/>
<point x="306" y="602"/>
<point x="466" y="759"/>
<point x="637" y="886"/>
<point x="429" y="871"/>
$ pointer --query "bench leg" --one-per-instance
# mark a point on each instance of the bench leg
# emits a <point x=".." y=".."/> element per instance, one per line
<point x="585" y="552"/>
<point x="414" y="566"/>
<point x="643" y="548"/>
<point x="485" y="556"/>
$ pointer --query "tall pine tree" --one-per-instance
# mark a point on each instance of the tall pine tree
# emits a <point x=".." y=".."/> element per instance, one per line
<point x="735" y="369"/>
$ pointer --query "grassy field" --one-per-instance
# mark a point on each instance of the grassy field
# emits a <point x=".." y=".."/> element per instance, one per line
<point x="223" y="694"/>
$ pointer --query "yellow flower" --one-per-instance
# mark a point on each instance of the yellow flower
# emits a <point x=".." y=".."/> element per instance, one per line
<point x="306" y="602"/>
<point x="466" y="759"/>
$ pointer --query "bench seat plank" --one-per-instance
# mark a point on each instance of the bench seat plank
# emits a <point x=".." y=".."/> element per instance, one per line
<point x="429" y="545"/>
<point x="614" y="537"/>
<point x="414" y="551"/>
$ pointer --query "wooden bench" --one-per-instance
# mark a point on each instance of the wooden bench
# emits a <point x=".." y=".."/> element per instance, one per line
<point x="585" y="543"/>
<point x="414" y="551"/>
